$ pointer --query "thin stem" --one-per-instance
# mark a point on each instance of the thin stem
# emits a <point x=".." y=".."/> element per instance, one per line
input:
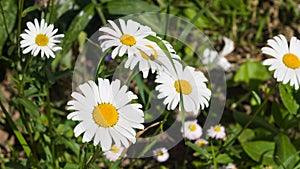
<point x="4" y="20"/>
<point x="21" y="4"/>
<point x="29" y="150"/>
<point x="100" y="12"/>
<point x="213" y="155"/>
<point x="93" y="158"/>
<point x="252" y="118"/>
<point x="49" y="114"/>
<point x="167" y="20"/>
<point x="51" y="11"/>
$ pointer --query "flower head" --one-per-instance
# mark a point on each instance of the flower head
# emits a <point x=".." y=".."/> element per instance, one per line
<point x="129" y="39"/>
<point x="161" y="154"/>
<point x="213" y="57"/>
<point x="230" y="166"/>
<point x="106" y="114"/>
<point x="39" y="37"/>
<point x="189" y="82"/>
<point x="217" y="132"/>
<point x="114" y="153"/>
<point x="201" y="142"/>
<point x="156" y="61"/>
<point x="192" y="130"/>
<point x="285" y="61"/>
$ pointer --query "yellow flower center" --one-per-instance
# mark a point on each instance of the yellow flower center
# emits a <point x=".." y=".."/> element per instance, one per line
<point x="192" y="127"/>
<point x="114" y="149"/>
<point x="201" y="143"/>
<point x="185" y="86"/>
<point x="160" y="153"/>
<point x="152" y="57"/>
<point x="105" y="115"/>
<point x="41" y="40"/>
<point x="217" y="128"/>
<point x="127" y="40"/>
<point x="291" y="61"/>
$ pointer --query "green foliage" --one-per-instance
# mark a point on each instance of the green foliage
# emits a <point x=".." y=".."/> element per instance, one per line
<point x="123" y="7"/>
<point x="10" y="11"/>
<point x="288" y="98"/>
<point x="260" y="151"/>
<point x="252" y="72"/>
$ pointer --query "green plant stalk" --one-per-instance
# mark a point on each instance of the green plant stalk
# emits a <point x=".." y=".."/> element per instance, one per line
<point x="253" y="117"/>
<point x="213" y="155"/>
<point x="167" y="20"/>
<point x="100" y="13"/>
<point x="50" y="115"/>
<point x="29" y="153"/>
<point x="51" y="11"/>
<point x="20" y="10"/>
<point x="92" y="158"/>
<point x="21" y="108"/>
<point x="4" y="20"/>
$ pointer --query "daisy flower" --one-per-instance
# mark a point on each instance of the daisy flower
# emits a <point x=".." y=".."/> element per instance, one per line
<point x="192" y="130"/>
<point x="217" y="132"/>
<point x="106" y="114"/>
<point x="161" y="154"/>
<point x="114" y="153"/>
<point x="189" y="82"/>
<point x="285" y="61"/>
<point x="39" y="37"/>
<point x="156" y="61"/>
<point x="213" y="57"/>
<point x="230" y="166"/>
<point x="201" y="142"/>
<point x="129" y="39"/>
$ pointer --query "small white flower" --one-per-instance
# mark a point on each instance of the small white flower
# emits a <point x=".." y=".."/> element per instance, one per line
<point x="105" y="113"/>
<point x="213" y="57"/>
<point x="230" y="166"/>
<point x="201" y="142"/>
<point x="114" y="153"/>
<point x="217" y="132"/>
<point x="81" y="13"/>
<point x="129" y="39"/>
<point x="189" y="82"/>
<point x="157" y="61"/>
<point x="40" y="37"/>
<point x="192" y="130"/>
<point x="285" y="61"/>
<point x="161" y="154"/>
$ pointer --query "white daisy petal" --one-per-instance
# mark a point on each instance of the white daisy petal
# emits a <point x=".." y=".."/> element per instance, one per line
<point x="285" y="61"/>
<point x="126" y="38"/>
<point x="101" y="113"/>
<point x="40" y="38"/>
<point x="217" y="132"/>
<point x="161" y="154"/>
<point x="192" y="87"/>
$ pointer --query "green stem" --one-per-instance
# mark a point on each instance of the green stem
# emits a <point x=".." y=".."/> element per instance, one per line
<point x="51" y="11"/>
<point x="167" y="20"/>
<point x="49" y="114"/>
<point x="24" y="116"/>
<point x="260" y="108"/>
<point x="21" y="4"/>
<point x="92" y="158"/>
<point x="28" y="149"/>
<point x="4" y="20"/>
<point x="213" y="155"/>
<point x="99" y="11"/>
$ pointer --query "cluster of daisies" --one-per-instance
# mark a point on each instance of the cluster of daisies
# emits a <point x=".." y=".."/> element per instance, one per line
<point x="173" y="79"/>
<point x="104" y="109"/>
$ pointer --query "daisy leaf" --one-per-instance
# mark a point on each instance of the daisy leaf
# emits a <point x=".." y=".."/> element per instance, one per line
<point x="286" y="94"/>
